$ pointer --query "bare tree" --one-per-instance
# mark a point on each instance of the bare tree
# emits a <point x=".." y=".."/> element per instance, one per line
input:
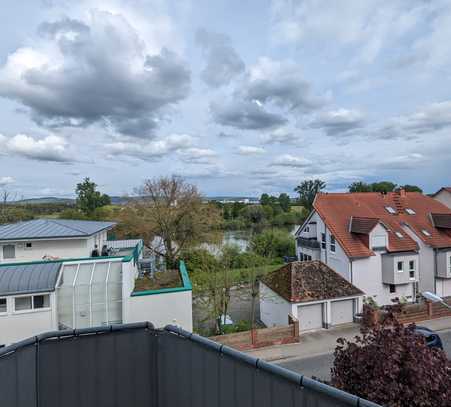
<point x="6" y="197"/>
<point x="171" y="211"/>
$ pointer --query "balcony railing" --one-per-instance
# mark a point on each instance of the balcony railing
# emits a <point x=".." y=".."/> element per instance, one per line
<point x="136" y="365"/>
<point x="310" y="243"/>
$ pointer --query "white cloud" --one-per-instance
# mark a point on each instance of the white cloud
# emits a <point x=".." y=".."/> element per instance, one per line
<point x="288" y="160"/>
<point x="50" y="148"/>
<point x="154" y="149"/>
<point x="282" y="135"/>
<point x="196" y="155"/>
<point x="6" y="181"/>
<point x="340" y="121"/>
<point x="250" y="150"/>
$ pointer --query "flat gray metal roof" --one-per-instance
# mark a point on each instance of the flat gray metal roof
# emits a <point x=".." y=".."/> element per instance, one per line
<point x="28" y="278"/>
<point x="52" y="228"/>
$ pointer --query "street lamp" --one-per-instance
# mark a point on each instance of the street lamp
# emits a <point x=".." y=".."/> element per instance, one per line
<point x="435" y="298"/>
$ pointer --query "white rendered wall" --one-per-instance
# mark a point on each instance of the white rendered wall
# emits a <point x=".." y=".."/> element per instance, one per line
<point x="161" y="309"/>
<point x="15" y="327"/>
<point x="444" y="287"/>
<point x="70" y="248"/>
<point x="274" y="309"/>
<point x="426" y="262"/>
<point x="367" y="275"/>
<point x="444" y="197"/>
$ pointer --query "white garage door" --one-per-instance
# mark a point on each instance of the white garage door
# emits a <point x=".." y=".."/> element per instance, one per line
<point x="310" y="317"/>
<point x="342" y="312"/>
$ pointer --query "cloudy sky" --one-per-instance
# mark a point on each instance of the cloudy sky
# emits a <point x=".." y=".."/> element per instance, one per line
<point x="239" y="97"/>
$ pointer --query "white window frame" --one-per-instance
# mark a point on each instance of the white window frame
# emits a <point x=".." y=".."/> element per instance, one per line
<point x="333" y="244"/>
<point x="390" y="210"/>
<point x="323" y="241"/>
<point x="4" y="312"/>
<point x="28" y="248"/>
<point x="410" y="211"/>
<point x="414" y="269"/>
<point x="397" y="264"/>
<point x="307" y="229"/>
<point x="426" y="233"/>
<point x="32" y="309"/>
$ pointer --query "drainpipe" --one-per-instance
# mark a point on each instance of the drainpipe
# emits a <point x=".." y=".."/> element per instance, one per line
<point x="325" y="239"/>
<point x="435" y="271"/>
<point x="350" y="271"/>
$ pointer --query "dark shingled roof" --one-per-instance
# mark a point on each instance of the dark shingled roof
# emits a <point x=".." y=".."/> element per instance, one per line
<point x="441" y="220"/>
<point x="309" y="281"/>
<point x="362" y="225"/>
<point x="28" y="278"/>
<point x="52" y="228"/>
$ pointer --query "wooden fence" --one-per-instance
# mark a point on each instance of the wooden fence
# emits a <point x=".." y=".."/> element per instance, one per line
<point x="258" y="338"/>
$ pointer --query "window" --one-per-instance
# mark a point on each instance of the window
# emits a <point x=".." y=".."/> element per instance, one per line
<point x="400" y="266"/>
<point x="9" y="251"/>
<point x="392" y="288"/>
<point x="411" y="268"/>
<point x="332" y="243"/>
<point x="410" y="211"/>
<point x="3" y="306"/>
<point x="28" y="246"/>
<point x="22" y="303"/>
<point x="399" y="234"/>
<point x="41" y="301"/>
<point x="389" y="209"/>
<point x="323" y="240"/>
<point x="425" y="232"/>
<point x="307" y="229"/>
<point x="32" y="302"/>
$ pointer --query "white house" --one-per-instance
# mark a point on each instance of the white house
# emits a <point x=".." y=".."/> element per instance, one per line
<point x="41" y="296"/>
<point x="51" y="239"/>
<point x="443" y="195"/>
<point x="388" y="245"/>
<point x="311" y="292"/>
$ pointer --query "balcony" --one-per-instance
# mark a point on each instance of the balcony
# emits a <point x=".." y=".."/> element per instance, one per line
<point x="311" y="243"/>
<point x="399" y="269"/>
<point x="136" y="365"/>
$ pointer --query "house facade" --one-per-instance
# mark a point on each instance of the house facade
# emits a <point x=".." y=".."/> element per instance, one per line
<point x="78" y="291"/>
<point x="443" y="195"/>
<point x="387" y="245"/>
<point x="311" y="292"/>
<point x="51" y="239"/>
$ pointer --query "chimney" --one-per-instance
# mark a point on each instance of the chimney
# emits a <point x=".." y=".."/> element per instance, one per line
<point x="402" y="192"/>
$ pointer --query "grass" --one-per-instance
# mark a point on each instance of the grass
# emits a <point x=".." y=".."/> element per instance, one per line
<point x="164" y="279"/>
<point x="236" y="276"/>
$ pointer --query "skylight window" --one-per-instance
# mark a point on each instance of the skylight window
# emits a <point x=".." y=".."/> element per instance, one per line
<point x="410" y="211"/>
<point x="399" y="234"/>
<point x="390" y="210"/>
<point x="425" y="232"/>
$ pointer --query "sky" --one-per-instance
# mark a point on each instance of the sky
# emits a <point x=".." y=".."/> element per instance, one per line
<point x="238" y="97"/>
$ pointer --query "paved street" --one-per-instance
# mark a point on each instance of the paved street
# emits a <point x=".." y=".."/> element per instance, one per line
<point x="319" y="366"/>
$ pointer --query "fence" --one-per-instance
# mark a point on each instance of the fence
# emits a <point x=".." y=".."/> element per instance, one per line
<point x="422" y="312"/>
<point x="137" y="366"/>
<point x="258" y="338"/>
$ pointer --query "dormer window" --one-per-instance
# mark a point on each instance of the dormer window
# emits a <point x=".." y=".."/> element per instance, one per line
<point x="399" y="234"/>
<point x="426" y="233"/>
<point x="410" y="211"/>
<point x="389" y="209"/>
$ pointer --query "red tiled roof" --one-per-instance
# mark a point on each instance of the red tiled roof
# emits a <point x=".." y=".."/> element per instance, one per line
<point x="309" y="281"/>
<point x="336" y="210"/>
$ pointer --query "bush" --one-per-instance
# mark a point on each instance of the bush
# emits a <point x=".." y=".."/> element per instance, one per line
<point x="200" y="260"/>
<point x="273" y="243"/>
<point x="240" y="326"/>
<point x="392" y="366"/>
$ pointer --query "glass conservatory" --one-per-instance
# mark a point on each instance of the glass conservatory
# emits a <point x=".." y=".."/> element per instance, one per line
<point x="90" y="294"/>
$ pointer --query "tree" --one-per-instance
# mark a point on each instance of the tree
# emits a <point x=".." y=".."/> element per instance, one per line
<point x="392" y="365"/>
<point x="273" y="243"/>
<point x="284" y="202"/>
<point x="383" y="186"/>
<point x="88" y="198"/>
<point x="360" y="186"/>
<point x="265" y="199"/>
<point x="307" y="191"/>
<point x="171" y="211"/>
<point x="237" y="208"/>
<point x="412" y="188"/>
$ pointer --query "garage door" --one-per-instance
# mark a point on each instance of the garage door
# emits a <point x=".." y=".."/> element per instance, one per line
<point x="342" y="311"/>
<point x="310" y="317"/>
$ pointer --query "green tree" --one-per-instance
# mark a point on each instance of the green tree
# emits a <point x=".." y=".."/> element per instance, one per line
<point x="88" y="198"/>
<point x="265" y="199"/>
<point x="307" y="191"/>
<point x="273" y="243"/>
<point x="412" y="188"/>
<point x="383" y="186"/>
<point x="236" y="209"/>
<point x="284" y="202"/>
<point x="360" y="186"/>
